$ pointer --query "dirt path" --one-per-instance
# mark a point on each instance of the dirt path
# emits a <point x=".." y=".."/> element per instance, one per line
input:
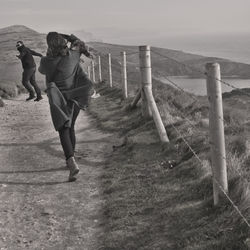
<point x="39" y="209"/>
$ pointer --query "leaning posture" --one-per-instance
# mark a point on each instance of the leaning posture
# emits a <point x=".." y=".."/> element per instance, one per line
<point x="29" y="71"/>
<point x="68" y="89"/>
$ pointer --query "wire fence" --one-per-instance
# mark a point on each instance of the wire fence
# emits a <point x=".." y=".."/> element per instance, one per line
<point x="196" y="100"/>
<point x="135" y="79"/>
<point x="191" y="123"/>
<point x="217" y="182"/>
<point x="201" y="72"/>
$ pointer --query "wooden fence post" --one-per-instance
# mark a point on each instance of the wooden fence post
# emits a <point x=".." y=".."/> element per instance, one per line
<point x="124" y="75"/>
<point x="146" y="82"/>
<point x="99" y="68"/>
<point x="216" y="127"/>
<point x="136" y="99"/>
<point x="93" y="71"/>
<point x="146" y="111"/>
<point x="89" y="74"/>
<point x="110" y="71"/>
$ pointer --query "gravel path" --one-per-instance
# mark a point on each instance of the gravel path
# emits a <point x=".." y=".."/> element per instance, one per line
<point x="39" y="209"/>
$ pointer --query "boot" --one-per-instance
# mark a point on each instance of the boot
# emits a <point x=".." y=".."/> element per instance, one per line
<point x="39" y="98"/>
<point x="30" y="97"/>
<point x="73" y="168"/>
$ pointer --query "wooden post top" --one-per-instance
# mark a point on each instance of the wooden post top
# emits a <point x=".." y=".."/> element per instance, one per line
<point x="144" y="47"/>
<point x="212" y="65"/>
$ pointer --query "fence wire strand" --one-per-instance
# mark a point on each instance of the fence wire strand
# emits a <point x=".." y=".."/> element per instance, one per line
<point x="127" y="54"/>
<point x="201" y="72"/>
<point x="217" y="182"/>
<point x="191" y="96"/>
<point x="181" y="63"/>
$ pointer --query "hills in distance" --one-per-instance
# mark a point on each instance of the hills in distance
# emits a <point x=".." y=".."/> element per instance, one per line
<point x="10" y="66"/>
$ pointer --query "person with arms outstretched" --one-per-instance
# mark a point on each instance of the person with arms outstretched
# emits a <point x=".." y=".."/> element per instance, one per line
<point x="29" y="71"/>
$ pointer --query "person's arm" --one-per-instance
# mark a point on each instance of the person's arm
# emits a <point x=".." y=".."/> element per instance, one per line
<point x="70" y="38"/>
<point x="77" y="44"/>
<point x="34" y="53"/>
<point x="22" y="54"/>
<point x="42" y="68"/>
<point x="80" y="45"/>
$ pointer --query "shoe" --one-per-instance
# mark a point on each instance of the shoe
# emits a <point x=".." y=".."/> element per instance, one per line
<point x="95" y="95"/>
<point x="39" y="98"/>
<point x="30" y="98"/>
<point x="73" y="168"/>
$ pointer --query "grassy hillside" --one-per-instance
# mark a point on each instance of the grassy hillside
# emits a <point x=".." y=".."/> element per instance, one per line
<point x="151" y="204"/>
<point x="163" y="66"/>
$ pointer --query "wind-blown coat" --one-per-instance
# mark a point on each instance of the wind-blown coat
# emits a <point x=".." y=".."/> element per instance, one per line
<point x="67" y="85"/>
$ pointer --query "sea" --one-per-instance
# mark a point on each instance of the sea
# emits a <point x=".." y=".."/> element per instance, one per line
<point x="198" y="86"/>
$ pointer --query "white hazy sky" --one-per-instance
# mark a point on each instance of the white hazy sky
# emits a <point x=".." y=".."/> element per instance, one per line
<point x="109" y="18"/>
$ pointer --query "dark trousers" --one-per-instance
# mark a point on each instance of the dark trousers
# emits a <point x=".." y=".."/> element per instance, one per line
<point x="29" y="82"/>
<point x="67" y="136"/>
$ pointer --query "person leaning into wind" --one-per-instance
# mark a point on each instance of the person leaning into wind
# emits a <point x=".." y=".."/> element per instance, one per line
<point x="29" y="70"/>
<point x="68" y="89"/>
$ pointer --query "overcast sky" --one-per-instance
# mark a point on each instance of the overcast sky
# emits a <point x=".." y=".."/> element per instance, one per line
<point x="109" y="18"/>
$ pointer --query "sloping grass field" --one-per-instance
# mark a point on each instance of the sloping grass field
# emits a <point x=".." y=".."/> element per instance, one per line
<point x="159" y="196"/>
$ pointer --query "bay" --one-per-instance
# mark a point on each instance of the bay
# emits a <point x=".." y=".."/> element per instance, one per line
<point x="198" y="86"/>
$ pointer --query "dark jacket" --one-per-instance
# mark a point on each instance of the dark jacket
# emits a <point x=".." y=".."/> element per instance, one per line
<point x="26" y="56"/>
<point x="66" y="83"/>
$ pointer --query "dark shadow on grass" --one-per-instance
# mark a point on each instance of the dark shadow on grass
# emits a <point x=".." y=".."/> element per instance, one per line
<point x="47" y="145"/>
<point x="14" y="100"/>
<point x="52" y="183"/>
<point x="101" y="140"/>
<point x="34" y="171"/>
<point x="47" y="142"/>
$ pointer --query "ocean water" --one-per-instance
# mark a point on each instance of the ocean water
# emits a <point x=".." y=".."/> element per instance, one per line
<point x="198" y="86"/>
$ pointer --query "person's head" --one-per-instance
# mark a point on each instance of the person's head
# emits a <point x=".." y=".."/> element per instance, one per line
<point x="57" y="45"/>
<point x="19" y="45"/>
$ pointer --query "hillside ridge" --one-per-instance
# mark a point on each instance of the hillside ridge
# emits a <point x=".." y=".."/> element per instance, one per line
<point x="165" y="62"/>
<point x="168" y="62"/>
<point x="16" y="28"/>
